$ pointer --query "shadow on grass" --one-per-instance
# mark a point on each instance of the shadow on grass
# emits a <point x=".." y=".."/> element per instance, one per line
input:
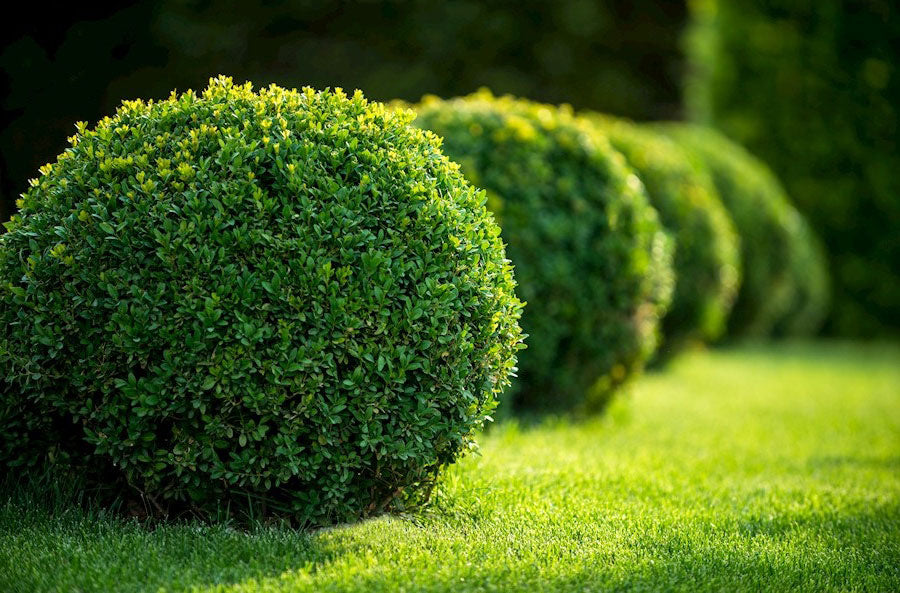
<point x="828" y="552"/>
<point x="70" y="547"/>
<point x="783" y="553"/>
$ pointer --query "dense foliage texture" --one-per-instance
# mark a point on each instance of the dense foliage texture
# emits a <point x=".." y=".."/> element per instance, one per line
<point x="812" y="88"/>
<point x="707" y="256"/>
<point x="592" y="260"/>
<point x="289" y="297"/>
<point x="783" y="273"/>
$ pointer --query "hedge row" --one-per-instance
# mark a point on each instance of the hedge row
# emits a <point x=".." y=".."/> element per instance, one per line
<point x="293" y="301"/>
<point x="725" y="213"/>
<point x="707" y="264"/>
<point x="784" y="274"/>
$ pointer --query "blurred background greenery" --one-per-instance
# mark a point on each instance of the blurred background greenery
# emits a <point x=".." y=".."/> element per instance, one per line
<point x="619" y="56"/>
<point x="811" y="87"/>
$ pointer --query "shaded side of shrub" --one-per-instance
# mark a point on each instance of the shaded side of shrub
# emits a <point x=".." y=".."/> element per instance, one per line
<point x="812" y="294"/>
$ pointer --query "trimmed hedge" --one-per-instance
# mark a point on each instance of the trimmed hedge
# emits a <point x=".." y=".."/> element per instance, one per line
<point x="286" y="297"/>
<point x="763" y="218"/>
<point x="591" y="258"/>
<point x="707" y="255"/>
<point x="812" y="88"/>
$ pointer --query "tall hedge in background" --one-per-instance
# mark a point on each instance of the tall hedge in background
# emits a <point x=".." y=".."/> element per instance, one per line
<point x="774" y="238"/>
<point x="591" y="258"/>
<point x="707" y="259"/>
<point x="289" y="299"/>
<point x="813" y="88"/>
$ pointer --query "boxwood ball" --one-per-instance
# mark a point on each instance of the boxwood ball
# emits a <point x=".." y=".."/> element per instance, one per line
<point x="774" y="239"/>
<point x="707" y="253"/>
<point x="591" y="257"/>
<point x="284" y="296"/>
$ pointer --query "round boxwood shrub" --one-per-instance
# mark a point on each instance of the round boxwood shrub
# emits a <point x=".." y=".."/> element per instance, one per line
<point x="289" y="297"/>
<point x="591" y="258"/>
<point x="707" y="257"/>
<point x="766" y="222"/>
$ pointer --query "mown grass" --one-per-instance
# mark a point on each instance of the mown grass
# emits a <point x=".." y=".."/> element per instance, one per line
<point x="759" y="468"/>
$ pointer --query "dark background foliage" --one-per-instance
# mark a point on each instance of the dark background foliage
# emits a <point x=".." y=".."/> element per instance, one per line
<point x="810" y="87"/>
<point x="813" y="89"/>
<point x="620" y="56"/>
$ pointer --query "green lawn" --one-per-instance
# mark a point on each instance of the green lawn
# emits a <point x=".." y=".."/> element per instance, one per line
<point x="760" y="468"/>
